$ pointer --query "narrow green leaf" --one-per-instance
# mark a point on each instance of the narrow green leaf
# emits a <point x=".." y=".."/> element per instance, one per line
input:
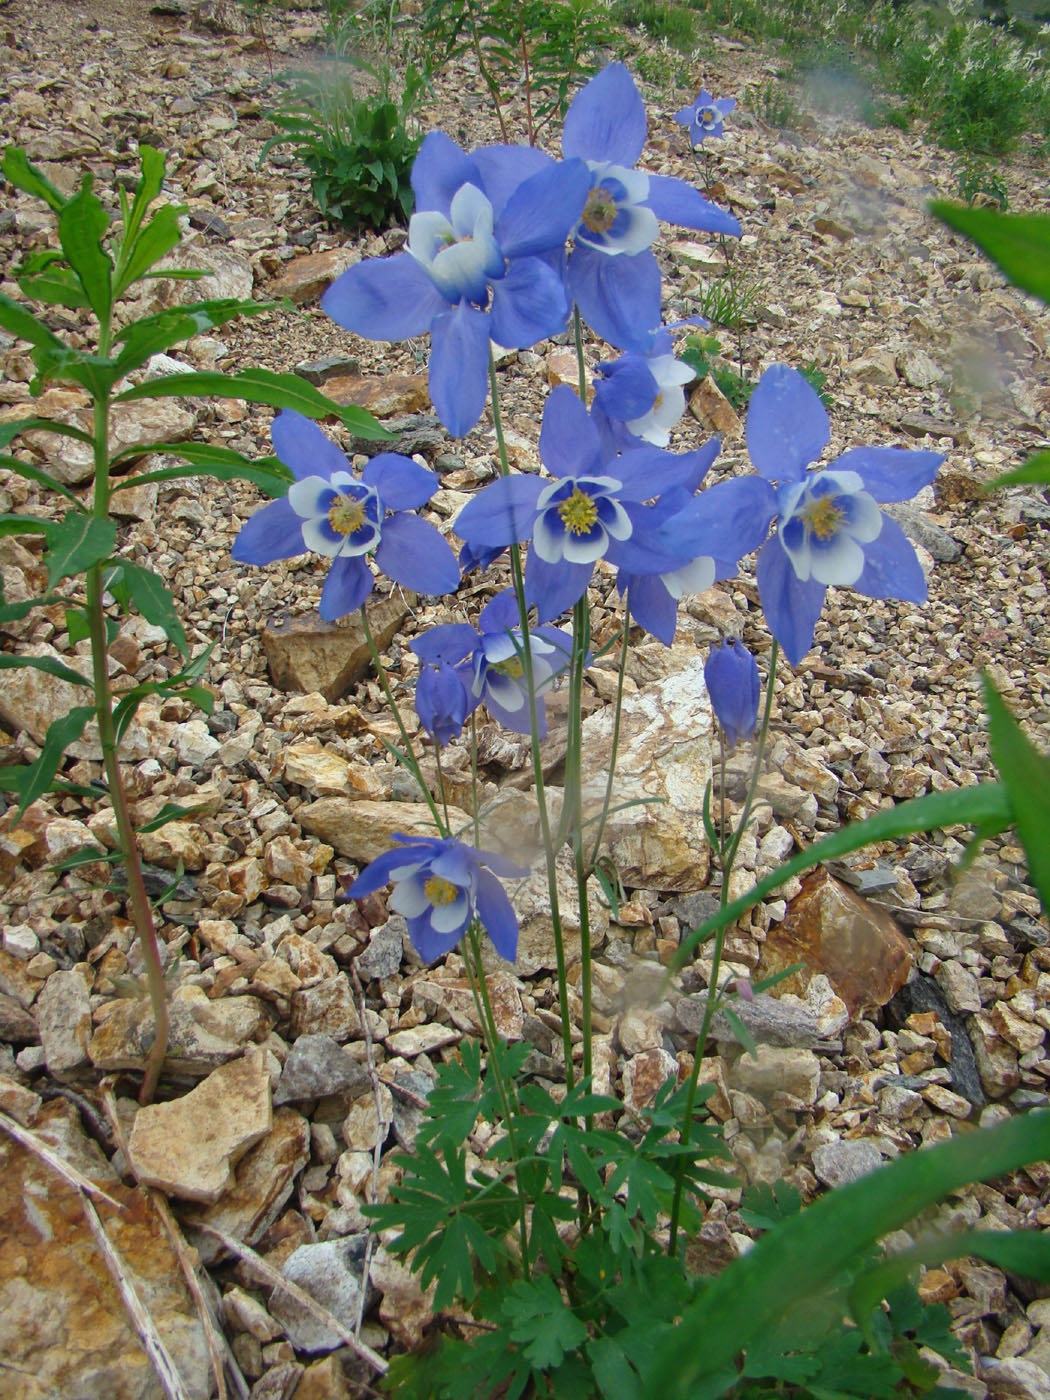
<point x="151" y="181"/>
<point x="82" y="222"/>
<point x="54" y="288"/>
<point x="95" y="373"/>
<point x="170" y="812"/>
<point x="77" y="542"/>
<point x="1018" y="243"/>
<point x="50" y="664"/>
<point x="269" y="474"/>
<point x="23" y="525"/>
<point x="986" y="805"/>
<point x="1026" y="773"/>
<point x="77" y="625"/>
<point x="805" y="1254"/>
<point x="154" y="242"/>
<point x="17" y="321"/>
<point x="9" y="431"/>
<point x="26" y="177"/>
<point x="40" y="477"/>
<point x="261" y="386"/>
<point x="39" y="776"/>
<point x="743" y="1035"/>
<point x="150" y="335"/>
<point x="1035" y="472"/>
<point x="154" y="602"/>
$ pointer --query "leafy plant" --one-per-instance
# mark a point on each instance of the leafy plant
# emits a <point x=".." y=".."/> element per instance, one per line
<point x="700" y="353"/>
<point x="974" y="177"/>
<point x="92" y="268"/>
<point x="358" y="150"/>
<point x="660" y="20"/>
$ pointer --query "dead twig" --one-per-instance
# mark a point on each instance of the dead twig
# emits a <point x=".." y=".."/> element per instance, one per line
<point x="58" y="1164"/>
<point x="377" y="1150"/>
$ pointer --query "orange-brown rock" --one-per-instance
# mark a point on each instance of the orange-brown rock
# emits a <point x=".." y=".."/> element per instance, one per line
<point x="308" y="654"/>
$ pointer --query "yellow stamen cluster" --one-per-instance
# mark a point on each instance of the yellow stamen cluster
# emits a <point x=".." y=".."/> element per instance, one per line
<point x="823" y="517"/>
<point x="599" y="213"/>
<point x="513" y="667"/>
<point x="579" y="512"/>
<point x="346" y="516"/>
<point x="440" y="891"/>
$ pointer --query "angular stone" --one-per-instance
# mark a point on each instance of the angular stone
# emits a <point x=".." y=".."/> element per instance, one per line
<point x="320" y="771"/>
<point x="63" y="1018"/>
<point x="644" y="1074"/>
<point x="327" y="1008"/>
<point x="304" y="279"/>
<point x="848" y="1159"/>
<point x="878" y="368"/>
<point x="307" y="654"/>
<point x="363" y="830"/>
<point x="996" y="1059"/>
<point x="384" y="395"/>
<point x="535" y="936"/>
<point x="421" y="1040"/>
<point x="404" y="1308"/>
<point x="263" y="1180"/>
<point x="775" y="1069"/>
<point x="832" y="930"/>
<point x="204" y="1034"/>
<point x="382" y="957"/>
<point x="317" y="1065"/>
<point x="64" y="1329"/>
<point x="144" y="423"/>
<point x="664" y="752"/>
<point x="188" y="1147"/>
<point x="917" y="369"/>
<point x="331" y="1273"/>
<point x="710" y="407"/>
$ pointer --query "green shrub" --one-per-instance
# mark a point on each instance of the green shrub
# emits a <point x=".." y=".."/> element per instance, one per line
<point x="660" y="19"/>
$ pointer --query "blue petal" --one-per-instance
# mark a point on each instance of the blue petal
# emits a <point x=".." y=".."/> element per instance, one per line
<point x="400" y="483"/>
<point x="502" y="514"/>
<point x="459" y="366"/>
<point x="440" y="168"/>
<point x="787" y="425"/>
<point x="504" y="168"/>
<point x="541" y="212"/>
<point x="791" y="607"/>
<point x="528" y="304"/>
<point x="377" y="873"/>
<point x="618" y="297"/>
<point x="647" y="471"/>
<point x="651" y="605"/>
<point x="274" y="532"/>
<point x="628" y="389"/>
<point x="430" y="944"/>
<point x="415" y="555"/>
<point x="519" y="722"/>
<point x="890" y="473"/>
<point x="606" y="121"/>
<point x="729" y="518"/>
<point x="569" y="444"/>
<point x="553" y="588"/>
<point x="302" y="445"/>
<point x="497" y="915"/>
<point x="384" y="299"/>
<point x="500" y="614"/>
<point x="502" y="865"/>
<point x="451" y="641"/>
<point x="891" y="567"/>
<point x="677" y="202"/>
<point x="348" y="584"/>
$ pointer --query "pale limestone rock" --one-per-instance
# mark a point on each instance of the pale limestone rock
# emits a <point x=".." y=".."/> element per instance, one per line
<point x="63" y="1018"/>
<point x="204" y="1033"/>
<point x="331" y="1273"/>
<point x="405" y="1308"/>
<point x="188" y="1147"/>
<point x="775" y="1069"/>
<point x="364" y="830"/>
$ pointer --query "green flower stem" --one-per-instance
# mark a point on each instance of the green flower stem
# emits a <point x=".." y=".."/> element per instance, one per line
<point x="549" y="848"/>
<point x="572" y="811"/>
<point x="411" y="762"/>
<point x="441" y="783"/>
<point x="581" y="368"/>
<point x="474" y="778"/>
<point x="480" y="990"/>
<point x="727" y="856"/>
<point x="617" y="716"/>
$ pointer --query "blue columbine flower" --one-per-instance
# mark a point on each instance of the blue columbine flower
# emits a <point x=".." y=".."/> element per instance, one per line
<point x="490" y="666"/>
<point x="731" y="676"/>
<point x="640" y="396"/>
<point x="612" y="274"/>
<point x="592" y="510"/>
<point x="705" y="116"/>
<point x="333" y="512"/>
<point x="442" y="703"/>
<point x="439" y="887"/>
<point x="831" y="531"/>
<point x="473" y="270"/>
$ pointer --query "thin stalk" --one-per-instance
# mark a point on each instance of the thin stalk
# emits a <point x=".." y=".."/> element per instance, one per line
<point x="581" y="628"/>
<point x="549" y="849"/>
<point x="441" y="783"/>
<point x="617" y="716"/>
<point x="581" y="367"/>
<point x="474" y="777"/>
<point x="528" y="82"/>
<point x="410" y="753"/>
<point x="727" y="856"/>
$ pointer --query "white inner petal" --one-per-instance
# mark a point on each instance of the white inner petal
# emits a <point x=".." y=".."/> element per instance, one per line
<point x="694" y="577"/>
<point x="842" y="563"/>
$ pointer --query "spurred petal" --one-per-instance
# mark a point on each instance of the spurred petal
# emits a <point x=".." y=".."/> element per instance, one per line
<point x="891" y="567"/>
<point x="497" y="915"/>
<point x="553" y="588"/>
<point x="731" y="516"/>
<point x="348" y="584"/>
<point x="502" y="865"/>
<point x="651" y="604"/>
<point x="540" y="212"/>
<point x="791" y="607"/>
<point x="501" y="514"/>
<point x="440" y="168"/>
<point x="401" y="483"/>
<point x="302" y="445"/>
<point x="569" y="443"/>
<point x="504" y="168"/>
<point x="647" y="471"/>
<point x="618" y="297"/>
<point x="378" y="872"/>
<point x="500" y="614"/>
<point x="459" y="359"/>
<point x="528" y="304"/>
<point x="451" y="642"/>
<point x="274" y="532"/>
<point x="384" y="299"/>
<point x="787" y="425"/>
<point x="677" y="202"/>
<point x="414" y="554"/>
<point x="606" y="120"/>
<point x="890" y="473"/>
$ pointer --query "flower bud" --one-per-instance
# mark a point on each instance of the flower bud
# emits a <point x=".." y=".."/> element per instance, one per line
<point x="441" y="702"/>
<point x="731" y="674"/>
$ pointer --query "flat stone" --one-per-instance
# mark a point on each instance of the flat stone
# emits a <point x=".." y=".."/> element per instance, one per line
<point x="644" y="1074"/>
<point x="996" y="1058"/>
<point x="143" y="423"/>
<point x="305" y="653"/>
<point x="384" y="395"/>
<point x="838" y="1163"/>
<point x="404" y="1307"/>
<point x="833" y="931"/>
<point x="421" y="1040"/>
<point x="775" y="1069"/>
<point x="363" y="830"/>
<point x="317" y="1065"/>
<point x="1016" y="1379"/>
<point x="331" y="1273"/>
<point x="327" y="1009"/>
<point x="710" y="407"/>
<point x="382" y="957"/>
<point x="188" y="1147"/>
<point x="921" y="530"/>
<point x="768" y="1019"/>
<point x="204" y="1033"/>
<point x="64" y="1329"/>
<point x="63" y="1018"/>
<point x="304" y="279"/>
<point x="320" y="771"/>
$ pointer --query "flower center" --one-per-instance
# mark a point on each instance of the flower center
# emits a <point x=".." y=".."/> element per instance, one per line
<point x="707" y="116"/>
<point x="513" y="668"/>
<point x="579" y="512"/>
<point x="440" y="891"/>
<point x="599" y="213"/>
<point x="823" y="517"/>
<point x="347" y="516"/>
